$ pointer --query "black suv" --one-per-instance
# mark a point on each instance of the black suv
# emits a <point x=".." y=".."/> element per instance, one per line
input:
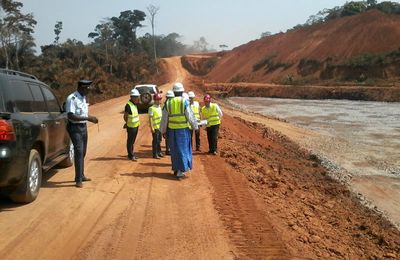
<point x="33" y="135"/>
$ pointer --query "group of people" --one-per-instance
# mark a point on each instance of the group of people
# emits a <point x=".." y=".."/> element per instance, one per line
<point x="176" y="121"/>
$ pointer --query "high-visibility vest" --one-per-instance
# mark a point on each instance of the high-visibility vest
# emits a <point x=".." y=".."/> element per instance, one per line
<point x="211" y="115"/>
<point x="176" y="113"/>
<point x="196" y="110"/>
<point x="133" y="119"/>
<point x="156" y="118"/>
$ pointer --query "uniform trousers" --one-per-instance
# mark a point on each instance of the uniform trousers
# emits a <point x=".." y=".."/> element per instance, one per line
<point x="79" y="137"/>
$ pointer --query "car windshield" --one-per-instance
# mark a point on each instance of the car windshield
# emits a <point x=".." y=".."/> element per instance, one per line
<point x="145" y="89"/>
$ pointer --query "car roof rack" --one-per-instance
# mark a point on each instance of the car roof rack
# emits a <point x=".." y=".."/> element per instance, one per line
<point x="18" y="73"/>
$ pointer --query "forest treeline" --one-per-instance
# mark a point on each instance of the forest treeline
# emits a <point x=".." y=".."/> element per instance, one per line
<point x="116" y="59"/>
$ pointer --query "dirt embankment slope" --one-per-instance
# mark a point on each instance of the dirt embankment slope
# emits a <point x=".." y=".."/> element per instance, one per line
<point x="324" y="52"/>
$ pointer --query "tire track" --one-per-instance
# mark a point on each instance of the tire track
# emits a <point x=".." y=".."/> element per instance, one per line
<point x="248" y="228"/>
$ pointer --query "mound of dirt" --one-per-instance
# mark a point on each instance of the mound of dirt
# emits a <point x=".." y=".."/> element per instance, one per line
<point x="362" y="47"/>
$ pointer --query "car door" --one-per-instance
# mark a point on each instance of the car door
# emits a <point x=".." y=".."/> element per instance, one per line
<point x="60" y="135"/>
<point x="47" y="123"/>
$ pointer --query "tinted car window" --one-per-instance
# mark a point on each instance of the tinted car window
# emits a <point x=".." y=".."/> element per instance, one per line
<point x="38" y="104"/>
<point x="52" y="103"/>
<point x="22" y="96"/>
<point x="145" y="90"/>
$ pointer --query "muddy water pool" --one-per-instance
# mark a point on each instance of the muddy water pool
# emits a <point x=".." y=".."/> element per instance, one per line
<point x="358" y="137"/>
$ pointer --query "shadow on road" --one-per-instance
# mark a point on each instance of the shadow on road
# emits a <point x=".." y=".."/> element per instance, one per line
<point x="46" y="183"/>
<point x="157" y="164"/>
<point x="166" y="176"/>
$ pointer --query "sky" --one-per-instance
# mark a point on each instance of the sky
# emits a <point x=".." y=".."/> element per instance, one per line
<point x="228" y="22"/>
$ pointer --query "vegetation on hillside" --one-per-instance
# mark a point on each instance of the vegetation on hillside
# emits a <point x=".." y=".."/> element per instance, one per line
<point x="116" y="59"/>
<point x="349" y="9"/>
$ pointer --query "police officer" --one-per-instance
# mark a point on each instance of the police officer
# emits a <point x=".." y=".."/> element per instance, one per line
<point x="131" y="117"/>
<point x="78" y="114"/>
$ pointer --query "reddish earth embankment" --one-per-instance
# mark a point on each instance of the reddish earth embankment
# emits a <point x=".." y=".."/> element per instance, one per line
<point x="385" y="94"/>
<point x="360" y="48"/>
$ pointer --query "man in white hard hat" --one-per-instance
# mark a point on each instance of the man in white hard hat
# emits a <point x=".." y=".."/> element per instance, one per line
<point x="194" y="105"/>
<point x="131" y="118"/>
<point x="177" y="116"/>
<point x="170" y="94"/>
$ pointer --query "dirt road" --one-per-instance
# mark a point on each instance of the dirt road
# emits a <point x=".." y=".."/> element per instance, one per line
<point x="132" y="210"/>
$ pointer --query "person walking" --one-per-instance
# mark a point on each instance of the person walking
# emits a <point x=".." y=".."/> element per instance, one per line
<point x="176" y="117"/>
<point x="155" y="114"/>
<point x="194" y="105"/>
<point x="213" y="114"/>
<point x="170" y="94"/>
<point x="132" y="122"/>
<point x="78" y="114"/>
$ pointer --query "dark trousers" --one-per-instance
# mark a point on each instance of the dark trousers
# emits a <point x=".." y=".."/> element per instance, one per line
<point x="156" y="144"/>
<point x="197" y="137"/>
<point x="79" y="137"/>
<point x="132" y="133"/>
<point x="167" y="151"/>
<point x="212" y="136"/>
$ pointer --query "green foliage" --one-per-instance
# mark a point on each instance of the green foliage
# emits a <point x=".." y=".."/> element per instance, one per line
<point x="237" y="78"/>
<point x="269" y="64"/>
<point x="349" y="9"/>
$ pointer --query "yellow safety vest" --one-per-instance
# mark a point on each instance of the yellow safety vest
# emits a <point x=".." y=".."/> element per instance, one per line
<point x="196" y="110"/>
<point x="211" y="114"/>
<point x="156" y="118"/>
<point x="133" y="119"/>
<point x="176" y="113"/>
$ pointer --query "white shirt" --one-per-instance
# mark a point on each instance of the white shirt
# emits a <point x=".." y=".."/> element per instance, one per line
<point x="76" y="104"/>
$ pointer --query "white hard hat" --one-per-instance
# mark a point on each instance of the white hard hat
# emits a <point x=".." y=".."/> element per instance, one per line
<point x="178" y="87"/>
<point x="185" y="95"/>
<point x="135" y="93"/>
<point x="170" y="93"/>
<point x="191" y="94"/>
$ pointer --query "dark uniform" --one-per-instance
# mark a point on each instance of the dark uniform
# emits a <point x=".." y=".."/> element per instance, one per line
<point x="78" y="115"/>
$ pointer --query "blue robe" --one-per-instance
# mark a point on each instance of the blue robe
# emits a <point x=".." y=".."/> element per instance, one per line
<point x="180" y="144"/>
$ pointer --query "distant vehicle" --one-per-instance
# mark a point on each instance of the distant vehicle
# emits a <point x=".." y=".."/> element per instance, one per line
<point x="147" y="92"/>
<point x="33" y="135"/>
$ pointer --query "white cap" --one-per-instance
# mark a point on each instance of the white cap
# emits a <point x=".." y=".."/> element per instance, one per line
<point x="170" y="93"/>
<point x="178" y="87"/>
<point x="191" y="94"/>
<point x="134" y="93"/>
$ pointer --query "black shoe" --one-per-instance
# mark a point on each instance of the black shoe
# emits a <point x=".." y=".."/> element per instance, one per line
<point x="79" y="185"/>
<point x="198" y="149"/>
<point x="86" y="179"/>
<point x="156" y="157"/>
<point x="175" y="173"/>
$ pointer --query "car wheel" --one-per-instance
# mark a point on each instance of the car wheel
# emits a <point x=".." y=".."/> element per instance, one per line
<point x="69" y="161"/>
<point x="28" y="190"/>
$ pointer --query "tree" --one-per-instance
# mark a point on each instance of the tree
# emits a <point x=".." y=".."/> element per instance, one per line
<point x="103" y="36"/>
<point x="266" y="34"/>
<point x="125" y="27"/>
<point x="201" y="45"/>
<point x="16" y="31"/>
<point x="57" y="30"/>
<point x="223" y="46"/>
<point x="153" y="11"/>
